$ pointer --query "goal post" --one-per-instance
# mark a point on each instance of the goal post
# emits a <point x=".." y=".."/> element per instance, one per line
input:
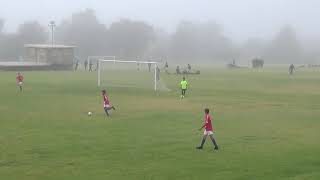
<point x="114" y="61"/>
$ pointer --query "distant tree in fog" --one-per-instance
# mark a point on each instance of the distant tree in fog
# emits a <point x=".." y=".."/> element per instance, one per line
<point x="31" y="32"/>
<point x="1" y="25"/>
<point x="11" y="44"/>
<point x="159" y="49"/>
<point x="200" y="42"/>
<point x="84" y="31"/>
<point x="284" y="48"/>
<point x="184" y="42"/>
<point x="252" y="48"/>
<point x="9" y="47"/>
<point x="124" y="38"/>
<point x="130" y="39"/>
<point x="312" y="51"/>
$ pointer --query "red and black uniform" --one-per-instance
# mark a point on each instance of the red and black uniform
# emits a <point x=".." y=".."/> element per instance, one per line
<point x="208" y="132"/>
<point x="106" y="104"/>
<point x="208" y="123"/>
<point x="19" y="78"/>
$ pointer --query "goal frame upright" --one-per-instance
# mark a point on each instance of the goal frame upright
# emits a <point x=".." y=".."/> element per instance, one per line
<point x="155" y="64"/>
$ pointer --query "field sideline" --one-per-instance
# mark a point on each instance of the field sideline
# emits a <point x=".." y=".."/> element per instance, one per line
<point x="267" y="127"/>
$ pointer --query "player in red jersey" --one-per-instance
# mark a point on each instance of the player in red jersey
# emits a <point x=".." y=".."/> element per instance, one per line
<point x="19" y="79"/>
<point x="106" y="103"/>
<point x="208" y="130"/>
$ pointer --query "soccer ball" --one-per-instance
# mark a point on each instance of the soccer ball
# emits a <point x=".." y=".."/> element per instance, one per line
<point x="89" y="113"/>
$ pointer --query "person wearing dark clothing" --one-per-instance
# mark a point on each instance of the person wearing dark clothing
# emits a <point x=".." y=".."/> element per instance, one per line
<point x="97" y="66"/>
<point x="291" y="69"/>
<point x="90" y="66"/>
<point x="166" y="66"/>
<point x="76" y="65"/>
<point x="138" y="66"/>
<point x="85" y="64"/>
<point x="149" y="66"/>
<point x="178" y="70"/>
<point x="158" y="73"/>
<point x="189" y="68"/>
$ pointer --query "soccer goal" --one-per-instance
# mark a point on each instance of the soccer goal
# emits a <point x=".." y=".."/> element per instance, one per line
<point x="121" y="73"/>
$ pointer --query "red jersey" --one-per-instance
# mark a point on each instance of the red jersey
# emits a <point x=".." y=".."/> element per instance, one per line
<point x="19" y="78"/>
<point x="106" y="102"/>
<point x="208" y="123"/>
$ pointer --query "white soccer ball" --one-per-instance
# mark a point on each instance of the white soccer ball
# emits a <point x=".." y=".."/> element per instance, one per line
<point x="89" y="113"/>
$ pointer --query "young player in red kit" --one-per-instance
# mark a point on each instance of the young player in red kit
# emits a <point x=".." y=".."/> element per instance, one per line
<point x="19" y="79"/>
<point x="208" y="130"/>
<point x="106" y="103"/>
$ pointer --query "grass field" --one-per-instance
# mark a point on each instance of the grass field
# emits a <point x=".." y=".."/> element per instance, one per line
<point x="267" y="127"/>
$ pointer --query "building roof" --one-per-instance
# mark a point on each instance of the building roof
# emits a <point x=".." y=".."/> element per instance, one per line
<point x="16" y="63"/>
<point x="48" y="46"/>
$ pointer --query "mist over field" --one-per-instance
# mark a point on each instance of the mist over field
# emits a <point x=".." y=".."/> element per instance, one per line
<point x="176" y="31"/>
<point x="159" y="89"/>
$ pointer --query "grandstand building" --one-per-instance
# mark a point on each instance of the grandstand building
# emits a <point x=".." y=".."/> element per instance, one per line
<point x="43" y="57"/>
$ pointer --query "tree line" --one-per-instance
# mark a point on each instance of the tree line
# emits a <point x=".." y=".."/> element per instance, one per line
<point x="130" y="39"/>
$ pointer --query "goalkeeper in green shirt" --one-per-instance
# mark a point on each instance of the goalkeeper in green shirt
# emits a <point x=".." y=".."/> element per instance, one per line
<point x="184" y="87"/>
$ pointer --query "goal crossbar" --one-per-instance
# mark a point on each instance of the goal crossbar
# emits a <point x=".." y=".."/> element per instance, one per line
<point x="101" y="57"/>
<point x="123" y="61"/>
<point x="97" y="58"/>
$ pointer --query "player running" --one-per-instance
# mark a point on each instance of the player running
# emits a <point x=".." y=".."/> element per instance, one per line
<point x="184" y="87"/>
<point x="19" y="79"/>
<point x="208" y="130"/>
<point x="106" y="103"/>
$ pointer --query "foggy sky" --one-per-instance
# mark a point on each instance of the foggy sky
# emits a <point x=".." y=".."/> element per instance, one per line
<point x="241" y="19"/>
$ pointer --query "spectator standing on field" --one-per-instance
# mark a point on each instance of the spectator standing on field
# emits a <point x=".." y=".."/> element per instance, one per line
<point x="166" y="66"/>
<point x="158" y="73"/>
<point x="90" y="66"/>
<point x="189" y="68"/>
<point x="85" y="64"/>
<point x="178" y="70"/>
<point x="138" y="66"/>
<point x="76" y="65"/>
<point x="97" y="66"/>
<point x="291" y="69"/>
<point x="149" y="65"/>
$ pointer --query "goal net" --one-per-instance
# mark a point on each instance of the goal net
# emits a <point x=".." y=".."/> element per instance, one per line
<point x="135" y="74"/>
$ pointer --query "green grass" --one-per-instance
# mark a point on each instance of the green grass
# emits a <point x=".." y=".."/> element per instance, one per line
<point x="267" y="127"/>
